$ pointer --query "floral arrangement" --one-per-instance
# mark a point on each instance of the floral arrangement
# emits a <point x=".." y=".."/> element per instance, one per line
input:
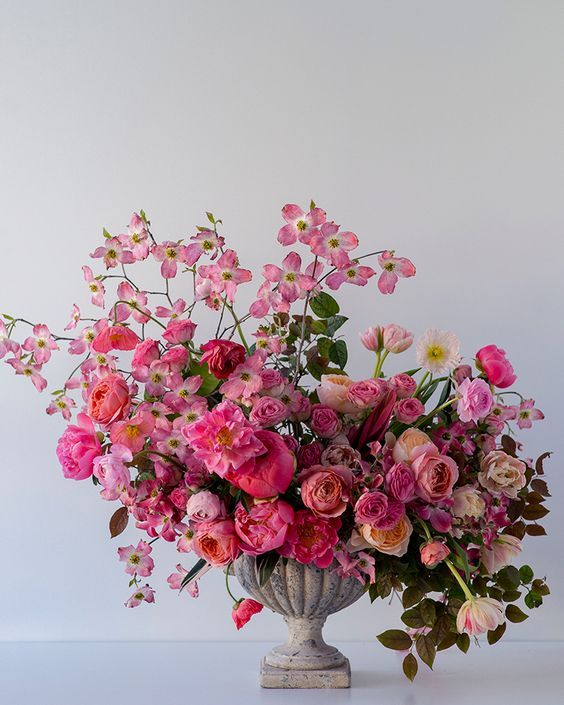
<point x="261" y="443"/>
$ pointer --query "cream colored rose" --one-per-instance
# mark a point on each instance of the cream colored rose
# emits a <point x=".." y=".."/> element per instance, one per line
<point x="502" y="474"/>
<point x="332" y="392"/>
<point x="409" y="440"/>
<point x="467" y="502"/>
<point x="391" y="541"/>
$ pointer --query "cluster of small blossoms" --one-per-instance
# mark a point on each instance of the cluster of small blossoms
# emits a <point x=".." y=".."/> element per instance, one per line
<point x="269" y="448"/>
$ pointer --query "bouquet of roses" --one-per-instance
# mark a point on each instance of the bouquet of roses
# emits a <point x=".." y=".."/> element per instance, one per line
<point x="260" y="442"/>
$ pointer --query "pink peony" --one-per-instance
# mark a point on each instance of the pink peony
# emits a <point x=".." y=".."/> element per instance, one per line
<point x="311" y="539"/>
<point x="333" y="392"/>
<point x="408" y="410"/>
<point x="326" y="489"/>
<point x="324" y="421"/>
<point x="433" y="552"/>
<point x="204" y="506"/>
<point x="222" y="357"/>
<point x="216" y="542"/>
<point x="267" y="474"/>
<point x="494" y="363"/>
<point x="263" y="527"/>
<point x="475" y="400"/>
<point x="244" y="610"/>
<point x="77" y="448"/>
<point x="108" y="400"/>
<point x="435" y="474"/>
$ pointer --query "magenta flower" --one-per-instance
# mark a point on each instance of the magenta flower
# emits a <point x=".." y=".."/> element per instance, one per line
<point x="6" y="344"/>
<point x="244" y="610"/>
<point x="170" y="254"/>
<point x="40" y="344"/>
<point x="351" y="273"/>
<point x="137" y="559"/>
<point x="393" y="267"/>
<point x="28" y="369"/>
<point x="77" y="449"/>
<point x="475" y="400"/>
<point x="292" y="284"/>
<point x="96" y="287"/>
<point x="226" y="275"/>
<point x="245" y="381"/>
<point x="300" y="225"/>
<point x="223" y="438"/>
<point x="137" y="237"/>
<point x="113" y="253"/>
<point x="333" y="245"/>
<point x="310" y="539"/>
<point x="112" y="472"/>
<point x="142" y="594"/>
<point x="206" y="242"/>
<point x="526" y="413"/>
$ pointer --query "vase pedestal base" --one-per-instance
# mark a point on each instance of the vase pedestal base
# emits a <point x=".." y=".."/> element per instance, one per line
<point x="273" y="677"/>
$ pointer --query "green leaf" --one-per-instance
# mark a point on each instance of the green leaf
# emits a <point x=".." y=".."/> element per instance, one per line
<point x="106" y="234"/>
<point x="461" y="559"/>
<point x="8" y="318"/>
<point x="324" y="305"/>
<point x="264" y="566"/>
<point x="533" y="600"/>
<point x="463" y="642"/>
<point x="428" y="612"/>
<point x="395" y="639"/>
<point x="445" y="392"/>
<point x="426" y="650"/>
<point x="119" y="521"/>
<point x="515" y="614"/>
<point x="317" y="326"/>
<point x="334" y="323"/>
<point x="412" y="618"/>
<point x="323" y="345"/>
<point x="338" y="353"/>
<point x="209" y="382"/>
<point x="526" y="574"/>
<point x="312" y="204"/>
<point x="411" y="596"/>
<point x="495" y="635"/>
<point x="448" y="641"/>
<point x="541" y="587"/>
<point x="509" y="595"/>
<point x="508" y="578"/>
<point x="410" y="667"/>
<point x="210" y="218"/>
<point x="193" y="572"/>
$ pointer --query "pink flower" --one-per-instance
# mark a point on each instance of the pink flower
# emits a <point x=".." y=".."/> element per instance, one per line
<point x="475" y="400"/>
<point x="496" y="366"/>
<point x="333" y="245"/>
<point x="526" y="413"/>
<point x="74" y="319"/>
<point x="63" y="405"/>
<point x="333" y="392"/>
<point x="435" y="474"/>
<point x="433" y="552"/>
<point x="309" y="454"/>
<point x="108" y="400"/>
<point x="268" y="411"/>
<point x="206" y="242"/>
<point x="500" y="473"/>
<point x="300" y="225"/>
<point x="132" y="433"/>
<point x="245" y="381"/>
<point x="146" y="352"/>
<point x="461" y="373"/>
<point x="176" y="358"/>
<point x="244" y="610"/>
<point x="178" y="308"/>
<point x="371" y="338"/>
<point x="40" y="344"/>
<point x="263" y="527"/>
<point x="175" y="580"/>
<point x="226" y="275"/>
<point x="170" y="254"/>
<point x="216" y="542"/>
<point x="137" y="559"/>
<point x="222" y="357"/>
<point x="479" y="615"/>
<point x="403" y="385"/>
<point x="77" y="448"/>
<point x="341" y="454"/>
<point x="204" y="506"/>
<point x="272" y="382"/>
<point x="410" y="441"/>
<point x="6" y="344"/>
<point x="400" y="482"/>
<point x="393" y="267"/>
<point x="292" y="285"/>
<point x="324" y="421"/>
<point x="395" y="338"/>
<point x="223" y="438"/>
<point x="113" y="253"/>
<point x="96" y="287"/>
<point x="311" y="539"/>
<point x="115" y="338"/>
<point x="179" y="331"/>
<point x="408" y="410"/>
<point x="135" y="304"/>
<point x="502" y="552"/>
<point x="326" y="489"/>
<point x="378" y="510"/>
<point x="366" y="393"/>
<point x="350" y="273"/>
<point x="142" y="594"/>
<point x="28" y="369"/>
<point x="268" y="473"/>
<point x="136" y="238"/>
<point x="112" y="473"/>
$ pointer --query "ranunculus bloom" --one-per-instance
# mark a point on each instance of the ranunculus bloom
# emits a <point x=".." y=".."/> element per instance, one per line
<point x="393" y="542"/>
<point x="494" y="363"/>
<point x="395" y="338"/>
<point x="267" y="474"/>
<point x="433" y="552"/>
<point x="324" y="421"/>
<point x="479" y="615"/>
<point x="378" y="510"/>
<point x="264" y="526"/>
<point x="326" y="489"/>
<point x="311" y="539"/>
<point x="435" y="475"/>
<point x="475" y="400"/>
<point x="77" y="448"/>
<point x="408" y="410"/>
<point x="244" y="610"/>
<point x="108" y="400"/>
<point x="203" y="506"/>
<point x="467" y="502"/>
<point x="179" y="331"/>
<point x="341" y="454"/>
<point x="222" y="357"/>
<point x="407" y="444"/>
<point x="502" y="474"/>
<point x="400" y="482"/>
<point x="216" y="542"/>
<point x="403" y="385"/>
<point x="366" y="393"/>
<point x="504" y="549"/>
<point x="115" y="338"/>
<point x="268" y="411"/>
<point x="332" y="392"/>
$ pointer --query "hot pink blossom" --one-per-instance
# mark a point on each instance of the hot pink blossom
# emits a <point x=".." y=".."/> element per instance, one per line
<point x="206" y="242"/>
<point x="268" y="343"/>
<point x="400" y="482"/>
<point x="311" y="539"/>
<point x="176" y="358"/>
<point x="245" y="381"/>
<point x="324" y="421"/>
<point x="526" y="413"/>
<point x="142" y="594"/>
<point x="393" y="267"/>
<point x="146" y="352"/>
<point x="115" y="338"/>
<point x="112" y="473"/>
<point x="333" y="245"/>
<point x="113" y="253"/>
<point x="244" y="610"/>
<point x="170" y="254"/>
<point x="41" y="343"/>
<point x="475" y="400"/>
<point x="226" y="275"/>
<point x="497" y="368"/>
<point x="77" y="449"/>
<point x="263" y="527"/>
<point x="292" y="284"/>
<point x="350" y="273"/>
<point x="96" y="287"/>
<point x="300" y="225"/>
<point x="137" y="559"/>
<point x="268" y="299"/>
<point x="136" y="238"/>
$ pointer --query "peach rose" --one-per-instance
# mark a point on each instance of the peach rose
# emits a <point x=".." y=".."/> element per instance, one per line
<point x="326" y="489"/>
<point x="333" y="392"/>
<point x="216" y="542"/>
<point x="502" y="474"/>
<point x="408" y="442"/>
<point x="435" y="475"/>
<point x="108" y="400"/>
<point x="433" y="552"/>
<point x="393" y="542"/>
<point x="467" y="502"/>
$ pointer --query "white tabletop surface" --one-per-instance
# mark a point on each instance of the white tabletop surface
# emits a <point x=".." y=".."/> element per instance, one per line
<point x="205" y="673"/>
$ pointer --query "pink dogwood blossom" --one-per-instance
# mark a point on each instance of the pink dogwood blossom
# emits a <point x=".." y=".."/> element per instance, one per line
<point x="97" y="289"/>
<point x="393" y="267"/>
<point x="226" y="274"/>
<point x="333" y="244"/>
<point x="170" y="254"/>
<point x="136" y="238"/>
<point x="142" y="594"/>
<point x="28" y="369"/>
<point x="292" y="284"/>
<point x="300" y="225"/>
<point x="206" y="242"/>
<point x="526" y="413"/>
<point x="41" y="343"/>
<point x="113" y="253"/>
<point x="137" y="559"/>
<point x="350" y="273"/>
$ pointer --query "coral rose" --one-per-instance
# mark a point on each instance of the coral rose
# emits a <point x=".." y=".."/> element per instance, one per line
<point x="108" y="400"/>
<point x="263" y="527"/>
<point x="435" y="475"/>
<point x="216" y="542"/>
<point x="326" y="489"/>
<point x="502" y="474"/>
<point x="433" y="552"/>
<point x="77" y="448"/>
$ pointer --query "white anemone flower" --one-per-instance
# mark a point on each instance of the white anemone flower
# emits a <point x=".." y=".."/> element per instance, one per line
<point x="438" y="351"/>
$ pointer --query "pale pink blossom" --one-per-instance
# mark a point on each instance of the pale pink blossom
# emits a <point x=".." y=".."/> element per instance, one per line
<point x="113" y="253"/>
<point x="141" y="594"/>
<point x="74" y="319"/>
<point x="137" y="559"/>
<point x="61" y="404"/>
<point x="205" y="242"/>
<point x="501" y="553"/>
<point x="175" y="581"/>
<point x="371" y="338"/>
<point x="479" y="615"/>
<point x="112" y="473"/>
<point x="7" y="345"/>
<point x="396" y="339"/>
<point x="475" y="400"/>
<point x="170" y="254"/>
<point x="333" y="392"/>
<point x="204" y="506"/>
<point x="41" y="343"/>
<point x="96" y="287"/>
<point x="30" y="370"/>
<point x="349" y="273"/>
<point x="135" y="304"/>
<point x="292" y="284"/>
<point x="500" y="473"/>
<point x="136" y="238"/>
<point x="333" y="245"/>
<point x="300" y="225"/>
<point x="133" y="432"/>
<point x="245" y="381"/>
<point x="393" y="267"/>
<point x="176" y="310"/>
<point x="526" y="413"/>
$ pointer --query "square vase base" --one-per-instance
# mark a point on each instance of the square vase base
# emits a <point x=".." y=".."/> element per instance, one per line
<point x="271" y="677"/>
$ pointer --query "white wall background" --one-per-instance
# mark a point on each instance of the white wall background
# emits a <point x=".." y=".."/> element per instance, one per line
<point x="432" y="127"/>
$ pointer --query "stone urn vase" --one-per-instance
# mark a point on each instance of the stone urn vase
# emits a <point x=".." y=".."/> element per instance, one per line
<point x="305" y="596"/>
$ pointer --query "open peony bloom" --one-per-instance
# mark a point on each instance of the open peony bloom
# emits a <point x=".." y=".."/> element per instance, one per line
<point x="496" y="366"/>
<point x="479" y="615"/>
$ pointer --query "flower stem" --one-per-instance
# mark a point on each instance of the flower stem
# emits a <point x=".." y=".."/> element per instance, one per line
<point x="435" y="411"/>
<point x="231" y="595"/>
<point x="465" y="588"/>
<point x="421" y="383"/>
<point x="237" y="326"/>
<point x="380" y="362"/>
